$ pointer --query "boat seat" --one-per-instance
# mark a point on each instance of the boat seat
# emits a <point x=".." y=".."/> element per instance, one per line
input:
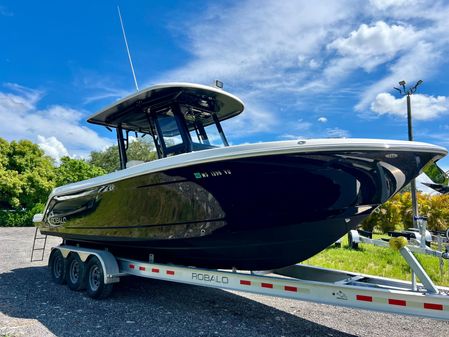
<point x="132" y="163"/>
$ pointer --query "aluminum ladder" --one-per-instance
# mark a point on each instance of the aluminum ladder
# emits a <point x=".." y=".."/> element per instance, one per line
<point x="36" y="249"/>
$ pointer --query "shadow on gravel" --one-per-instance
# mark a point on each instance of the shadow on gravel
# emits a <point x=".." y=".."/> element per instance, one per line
<point x="143" y="307"/>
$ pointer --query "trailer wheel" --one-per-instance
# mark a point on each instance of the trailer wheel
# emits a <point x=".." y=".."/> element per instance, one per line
<point x="75" y="272"/>
<point x="57" y="266"/>
<point x="95" y="286"/>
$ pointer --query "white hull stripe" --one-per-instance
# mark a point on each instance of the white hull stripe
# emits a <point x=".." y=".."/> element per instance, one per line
<point x="247" y="151"/>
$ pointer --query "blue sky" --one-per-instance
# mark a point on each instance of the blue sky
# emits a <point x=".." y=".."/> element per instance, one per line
<point x="305" y="69"/>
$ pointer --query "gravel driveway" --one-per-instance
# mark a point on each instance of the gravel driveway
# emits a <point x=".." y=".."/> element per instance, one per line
<point x="31" y="305"/>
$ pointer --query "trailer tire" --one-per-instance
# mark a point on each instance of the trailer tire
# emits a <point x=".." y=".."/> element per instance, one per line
<point x="57" y="266"/>
<point x="95" y="286"/>
<point x="76" y="270"/>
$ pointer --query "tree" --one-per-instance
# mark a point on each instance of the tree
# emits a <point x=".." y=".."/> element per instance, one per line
<point x="397" y="214"/>
<point x="4" y="150"/>
<point x="138" y="149"/>
<point x="436" y="209"/>
<point x="387" y="217"/>
<point x="73" y="170"/>
<point x="26" y="175"/>
<point x="26" y="178"/>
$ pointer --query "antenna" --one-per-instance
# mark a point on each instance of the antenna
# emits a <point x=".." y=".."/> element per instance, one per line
<point x="127" y="48"/>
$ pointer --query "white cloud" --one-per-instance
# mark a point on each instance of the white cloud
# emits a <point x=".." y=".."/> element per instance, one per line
<point x="322" y="119"/>
<point x="387" y="4"/>
<point x="415" y="65"/>
<point x="307" y="62"/>
<point x="423" y="107"/>
<point x="101" y="87"/>
<point x="22" y="119"/>
<point x="22" y="100"/>
<point x="421" y="60"/>
<point x="259" y="59"/>
<point x="308" y="47"/>
<point x="337" y="133"/>
<point x="52" y="147"/>
<point x="255" y="119"/>
<point x="288" y="136"/>
<point x="302" y="125"/>
<point x="369" y="46"/>
<point x="262" y="51"/>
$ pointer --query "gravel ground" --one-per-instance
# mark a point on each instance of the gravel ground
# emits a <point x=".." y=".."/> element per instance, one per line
<point x="31" y="305"/>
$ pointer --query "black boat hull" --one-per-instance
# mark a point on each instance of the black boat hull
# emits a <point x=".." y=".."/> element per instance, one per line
<point x="270" y="248"/>
<point x="257" y="213"/>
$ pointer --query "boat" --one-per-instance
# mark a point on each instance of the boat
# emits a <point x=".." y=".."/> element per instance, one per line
<point x="439" y="178"/>
<point x="251" y="207"/>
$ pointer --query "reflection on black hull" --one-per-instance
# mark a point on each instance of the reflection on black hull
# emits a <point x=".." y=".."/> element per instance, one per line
<point x="253" y="213"/>
<point x="268" y="248"/>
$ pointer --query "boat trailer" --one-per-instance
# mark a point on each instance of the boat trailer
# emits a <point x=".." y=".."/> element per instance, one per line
<point x="97" y="271"/>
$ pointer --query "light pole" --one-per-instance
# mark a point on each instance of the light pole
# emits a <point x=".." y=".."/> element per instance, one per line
<point x="408" y="92"/>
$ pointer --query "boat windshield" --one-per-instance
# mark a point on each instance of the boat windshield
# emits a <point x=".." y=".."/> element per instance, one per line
<point x="171" y="139"/>
<point x="176" y="130"/>
<point x="185" y="132"/>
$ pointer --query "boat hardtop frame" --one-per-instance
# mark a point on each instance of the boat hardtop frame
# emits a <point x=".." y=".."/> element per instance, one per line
<point x="172" y="114"/>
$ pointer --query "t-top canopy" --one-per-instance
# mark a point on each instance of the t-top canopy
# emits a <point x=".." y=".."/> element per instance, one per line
<point x="200" y="101"/>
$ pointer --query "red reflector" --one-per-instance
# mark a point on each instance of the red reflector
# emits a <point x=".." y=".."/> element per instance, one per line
<point x="364" y="298"/>
<point x="141" y="268"/>
<point x="131" y="266"/>
<point x="155" y="270"/>
<point x="267" y="285"/>
<point x="433" y="306"/>
<point x="397" y="302"/>
<point x="245" y="283"/>
<point x="170" y="272"/>
<point x="288" y="288"/>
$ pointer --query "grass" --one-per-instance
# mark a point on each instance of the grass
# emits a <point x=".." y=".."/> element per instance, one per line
<point x="379" y="261"/>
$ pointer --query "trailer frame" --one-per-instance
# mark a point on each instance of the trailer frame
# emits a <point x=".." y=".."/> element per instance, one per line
<point x="300" y="282"/>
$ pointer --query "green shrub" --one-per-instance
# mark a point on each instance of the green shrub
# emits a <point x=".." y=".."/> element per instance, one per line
<point x="19" y="218"/>
<point x="387" y="217"/>
<point x="396" y="213"/>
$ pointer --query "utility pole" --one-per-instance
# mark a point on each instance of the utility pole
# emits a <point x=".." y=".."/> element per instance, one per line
<point x="408" y="92"/>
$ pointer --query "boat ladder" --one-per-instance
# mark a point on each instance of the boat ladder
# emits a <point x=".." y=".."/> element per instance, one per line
<point x="38" y="248"/>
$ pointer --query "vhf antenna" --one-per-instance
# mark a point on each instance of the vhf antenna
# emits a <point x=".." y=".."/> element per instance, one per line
<point x="127" y="48"/>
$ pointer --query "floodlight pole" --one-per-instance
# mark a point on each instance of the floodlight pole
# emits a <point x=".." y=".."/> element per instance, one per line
<point x="413" y="181"/>
<point x="409" y="118"/>
<point x="408" y="93"/>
